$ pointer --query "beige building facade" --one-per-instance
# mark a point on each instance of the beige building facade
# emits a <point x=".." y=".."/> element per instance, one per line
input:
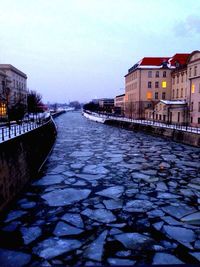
<point x="194" y="88"/>
<point x="165" y="89"/>
<point x="146" y="83"/>
<point x="119" y="103"/>
<point x="18" y="84"/>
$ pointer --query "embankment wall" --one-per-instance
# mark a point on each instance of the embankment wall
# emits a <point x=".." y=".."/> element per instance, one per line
<point x="21" y="157"/>
<point x="188" y="138"/>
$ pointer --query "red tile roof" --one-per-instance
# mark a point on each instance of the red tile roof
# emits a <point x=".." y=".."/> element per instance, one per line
<point x="153" y="61"/>
<point x="180" y="58"/>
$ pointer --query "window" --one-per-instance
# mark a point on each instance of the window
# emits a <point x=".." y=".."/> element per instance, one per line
<point x="195" y="71"/>
<point x="191" y="108"/>
<point x="177" y="78"/>
<point x="181" y="92"/>
<point x="160" y="117"/>
<point x="193" y="88"/>
<point x="191" y="119"/>
<point x="164" y="74"/>
<point x="190" y="70"/>
<point x="199" y="107"/>
<point x="149" y="84"/>
<point x="150" y="74"/>
<point x="156" y="95"/>
<point x="163" y="95"/>
<point x="177" y="93"/>
<point x="156" y="84"/>
<point x="182" y="78"/>
<point x="173" y="80"/>
<point x="198" y="120"/>
<point x="157" y="74"/>
<point x="164" y="84"/>
<point x="149" y="95"/>
<point x="173" y="93"/>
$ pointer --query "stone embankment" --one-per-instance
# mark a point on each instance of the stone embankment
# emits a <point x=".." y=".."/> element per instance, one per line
<point x="21" y="157"/>
<point x="176" y="135"/>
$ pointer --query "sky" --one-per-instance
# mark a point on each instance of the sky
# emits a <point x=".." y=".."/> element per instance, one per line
<point x="81" y="49"/>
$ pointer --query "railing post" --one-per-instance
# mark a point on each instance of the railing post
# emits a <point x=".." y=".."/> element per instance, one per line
<point x="2" y="134"/>
<point x="15" y="131"/>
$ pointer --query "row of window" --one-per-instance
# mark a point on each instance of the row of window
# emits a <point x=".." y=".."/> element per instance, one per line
<point x="131" y="76"/>
<point x="178" y="78"/>
<point x="164" y="84"/>
<point x="19" y="85"/>
<point x="194" y="71"/>
<point x="157" y="74"/>
<point x="177" y="93"/>
<point x="192" y="106"/>
<point x="156" y="95"/>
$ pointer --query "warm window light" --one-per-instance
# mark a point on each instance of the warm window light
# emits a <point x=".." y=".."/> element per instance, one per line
<point x="164" y="84"/>
<point x="193" y="88"/>
<point x="2" y="110"/>
<point x="149" y="95"/>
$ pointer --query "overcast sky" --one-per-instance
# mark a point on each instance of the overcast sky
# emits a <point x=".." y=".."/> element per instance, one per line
<point x="81" y="49"/>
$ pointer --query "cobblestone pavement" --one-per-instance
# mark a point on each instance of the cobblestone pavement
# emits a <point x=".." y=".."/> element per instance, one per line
<point x="107" y="196"/>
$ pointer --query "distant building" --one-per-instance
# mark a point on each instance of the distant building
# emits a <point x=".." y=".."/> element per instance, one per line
<point x="17" y="88"/>
<point x="106" y="104"/>
<point x="119" y="103"/>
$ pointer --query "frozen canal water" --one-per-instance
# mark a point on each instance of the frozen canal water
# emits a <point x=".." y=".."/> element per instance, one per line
<point x="107" y="196"/>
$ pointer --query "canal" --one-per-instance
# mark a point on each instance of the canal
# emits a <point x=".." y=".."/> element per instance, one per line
<point x="107" y="196"/>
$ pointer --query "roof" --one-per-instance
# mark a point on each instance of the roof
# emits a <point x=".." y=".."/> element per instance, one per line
<point x="161" y="62"/>
<point x="173" y="102"/>
<point x="120" y="95"/>
<point x="153" y="61"/>
<point x="179" y="58"/>
<point x="11" y="67"/>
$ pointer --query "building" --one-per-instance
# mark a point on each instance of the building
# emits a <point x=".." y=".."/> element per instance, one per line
<point x="17" y="88"/>
<point x="106" y="104"/>
<point x="193" y="92"/>
<point x="171" y="111"/>
<point x="119" y="103"/>
<point x="148" y="81"/>
<point x="165" y="89"/>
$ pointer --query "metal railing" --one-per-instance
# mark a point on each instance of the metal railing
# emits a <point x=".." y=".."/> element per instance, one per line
<point x="178" y="127"/>
<point x="13" y="130"/>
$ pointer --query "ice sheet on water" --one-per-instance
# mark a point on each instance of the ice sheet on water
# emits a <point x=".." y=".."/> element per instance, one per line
<point x="134" y="240"/>
<point x="49" y="180"/>
<point x="95" y="169"/>
<point x="15" y="215"/>
<point x="66" y="196"/>
<point x="100" y="215"/>
<point x="113" y="204"/>
<point x="74" y="219"/>
<point x="179" y="233"/>
<point x="112" y="192"/>
<point x="30" y="234"/>
<point x="63" y="229"/>
<point x="95" y="249"/>
<point x="13" y="258"/>
<point x="53" y="247"/>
